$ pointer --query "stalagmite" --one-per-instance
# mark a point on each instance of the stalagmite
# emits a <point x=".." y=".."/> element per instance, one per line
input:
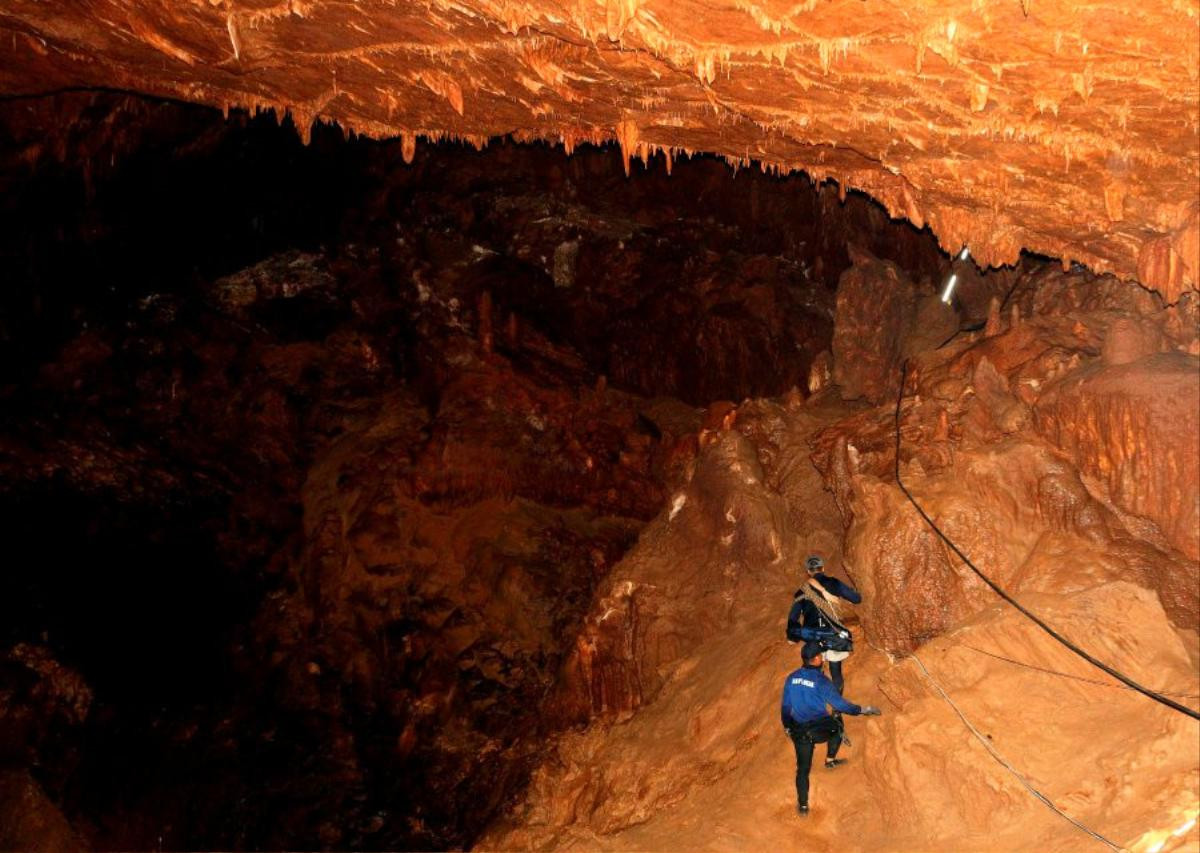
<point x="484" y="331"/>
<point x="941" y="430"/>
<point x="993" y="326"/>
<point x="512" y="331"/>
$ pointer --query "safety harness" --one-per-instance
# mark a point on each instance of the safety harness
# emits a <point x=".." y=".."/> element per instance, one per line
<point x="830" y="638"/>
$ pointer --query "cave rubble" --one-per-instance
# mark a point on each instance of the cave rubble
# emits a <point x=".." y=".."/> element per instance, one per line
<point x="1065" y="129"/>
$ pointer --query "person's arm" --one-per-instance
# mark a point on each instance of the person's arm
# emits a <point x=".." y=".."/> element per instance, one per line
<point x="785" y="713"/>
<point x="841" y="590"/>
<point x="832" y="697"/>
<point x="795" y="622"/>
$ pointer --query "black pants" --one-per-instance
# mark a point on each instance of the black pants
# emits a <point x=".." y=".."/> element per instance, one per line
<point x="826" y="730"/>
<point x="835" y="674"/>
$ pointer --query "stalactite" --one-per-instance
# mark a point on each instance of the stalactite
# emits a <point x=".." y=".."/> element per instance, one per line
<point x="627" y="137"/>
<point x="618" y="14"/>
<point x="374" y="64"/>
<point x="993" y="326"/>
<point x="979" y="97"/>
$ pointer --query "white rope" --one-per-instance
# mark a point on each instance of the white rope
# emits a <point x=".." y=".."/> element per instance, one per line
<point x="824" y="602"/>
<point x="1004" y="762"/>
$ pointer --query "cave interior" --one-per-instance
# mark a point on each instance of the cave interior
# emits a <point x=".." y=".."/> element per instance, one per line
<point x="367" y="494"/>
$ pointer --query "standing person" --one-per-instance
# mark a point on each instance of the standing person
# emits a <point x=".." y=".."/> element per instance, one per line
<point x="807" y="721"/>
<point x="814" y="617"/>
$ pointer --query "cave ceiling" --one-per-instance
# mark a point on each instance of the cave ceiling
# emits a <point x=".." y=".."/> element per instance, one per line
<point x="1066" y="128"/>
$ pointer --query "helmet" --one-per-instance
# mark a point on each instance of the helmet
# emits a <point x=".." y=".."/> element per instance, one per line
<point x="814" y="563"/>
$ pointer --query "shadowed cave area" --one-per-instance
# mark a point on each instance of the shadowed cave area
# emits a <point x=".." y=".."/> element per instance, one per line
<point x="363" y="504"/>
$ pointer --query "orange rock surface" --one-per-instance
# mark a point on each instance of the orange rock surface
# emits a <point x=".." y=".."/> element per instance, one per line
<point x="680" y="659"/>
<point x="1069" y="129"/>
<point x="524" y="460"/>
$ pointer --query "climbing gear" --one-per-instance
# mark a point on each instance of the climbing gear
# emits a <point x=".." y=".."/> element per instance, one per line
<point x="801" y="809"/>
<point x="831" y="763"/>
<point x="837" y="715"/>
<point x="814" y="563"/>
<point x="817" y="731"/>
<point x="823" y="601"/>
<point x="836" y="638"/>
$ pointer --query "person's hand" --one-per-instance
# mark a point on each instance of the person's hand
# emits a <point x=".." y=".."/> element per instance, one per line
<point x="871" y="711"/>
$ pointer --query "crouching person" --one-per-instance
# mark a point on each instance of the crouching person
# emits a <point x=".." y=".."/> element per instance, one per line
<point x="807" y="693"/>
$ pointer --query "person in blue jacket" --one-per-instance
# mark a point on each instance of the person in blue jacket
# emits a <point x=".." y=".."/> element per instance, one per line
<point x="813" y="617"/>
<point x="807" y="693"/>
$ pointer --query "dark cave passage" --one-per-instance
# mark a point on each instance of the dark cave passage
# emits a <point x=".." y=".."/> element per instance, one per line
<point x="316" y="459"/>
<point x="145" y="200"/>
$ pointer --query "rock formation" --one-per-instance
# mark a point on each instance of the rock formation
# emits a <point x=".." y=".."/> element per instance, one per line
<point x="367" y="497"/>
<point x="1065" y="129"/>
<point x="682" y="663"/>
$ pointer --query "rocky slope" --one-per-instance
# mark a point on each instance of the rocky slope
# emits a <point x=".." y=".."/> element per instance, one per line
<point x="683" y="653"/>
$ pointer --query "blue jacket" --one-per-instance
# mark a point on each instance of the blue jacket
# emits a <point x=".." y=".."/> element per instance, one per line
<point x="806" y="693"/>
<point x="804" y="614"/>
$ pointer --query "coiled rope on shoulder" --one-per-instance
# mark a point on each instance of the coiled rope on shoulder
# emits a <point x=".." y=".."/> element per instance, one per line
<point x="1120" y="676"/>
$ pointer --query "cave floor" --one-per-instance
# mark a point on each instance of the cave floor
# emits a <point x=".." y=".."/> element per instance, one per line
<point x="705" y="765"/>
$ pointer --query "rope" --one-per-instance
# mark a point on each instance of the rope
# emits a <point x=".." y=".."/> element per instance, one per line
<point x="1120" y="676"/>
<point x="823" y="602"/>
<point x="1007" y="766"/>
<point x="1068" y="675"/>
